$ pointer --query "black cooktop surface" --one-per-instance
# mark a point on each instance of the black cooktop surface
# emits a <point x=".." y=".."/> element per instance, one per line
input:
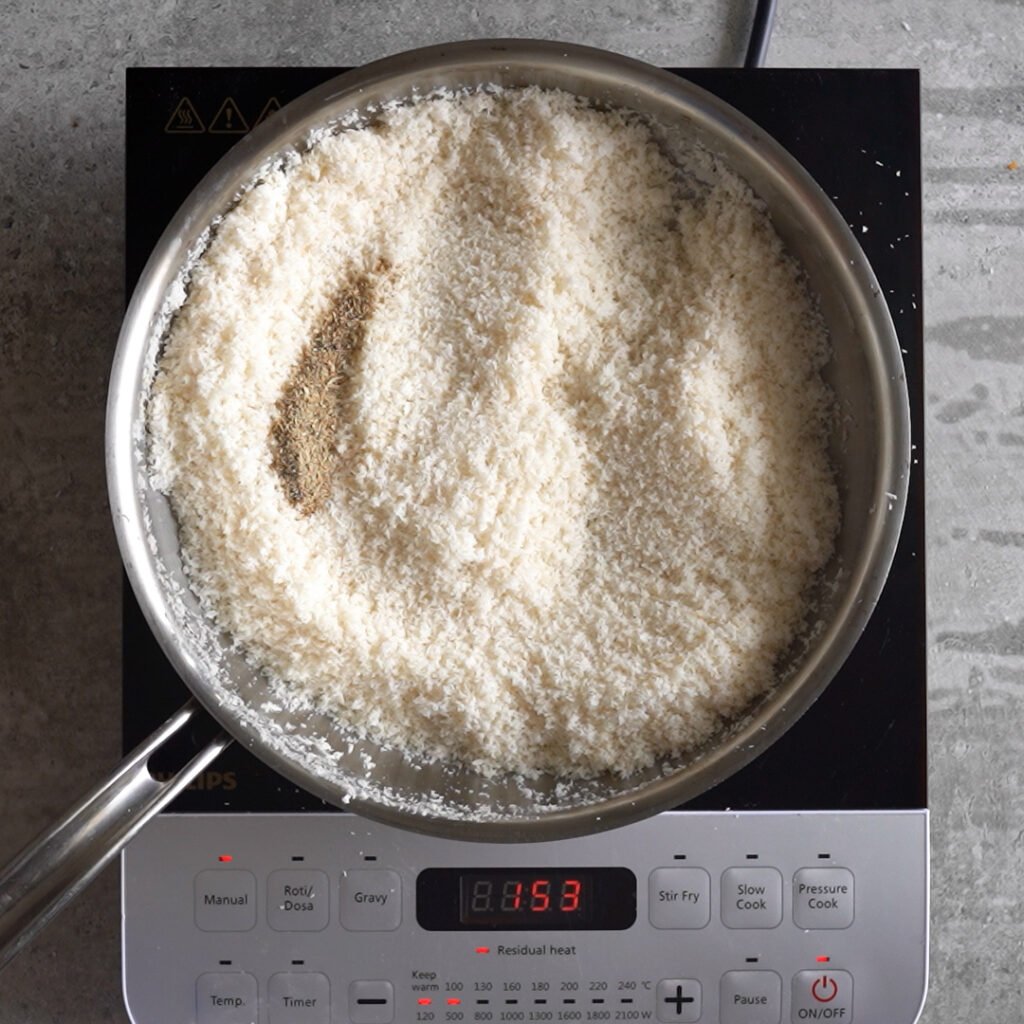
<point x="862" y="744"/>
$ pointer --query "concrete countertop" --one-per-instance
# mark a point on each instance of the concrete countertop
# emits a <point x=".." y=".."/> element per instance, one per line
<point x="61" y="223"/>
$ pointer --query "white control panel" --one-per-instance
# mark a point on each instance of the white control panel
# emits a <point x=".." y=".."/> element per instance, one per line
<point x="718" y="917"/>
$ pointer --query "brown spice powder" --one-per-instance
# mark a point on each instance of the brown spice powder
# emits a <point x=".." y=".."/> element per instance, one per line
<point x="303" y="434"/>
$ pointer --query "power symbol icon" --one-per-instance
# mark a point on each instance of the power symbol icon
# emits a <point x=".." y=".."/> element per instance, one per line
<point x="824" y="989"/>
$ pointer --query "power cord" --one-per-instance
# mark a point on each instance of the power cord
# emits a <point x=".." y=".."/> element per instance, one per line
<point x="760" y="34"/>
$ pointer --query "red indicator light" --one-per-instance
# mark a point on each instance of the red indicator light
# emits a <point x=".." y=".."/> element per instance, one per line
<point x="423" y="1002"/>
<point x="454" y="1002"/>
<point x="483" y="949"/>
<point x="823" y="959"/>
<point x="225" y="857"/>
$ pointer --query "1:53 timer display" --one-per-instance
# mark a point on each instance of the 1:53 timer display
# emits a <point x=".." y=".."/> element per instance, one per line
<point x="525" y="899"/>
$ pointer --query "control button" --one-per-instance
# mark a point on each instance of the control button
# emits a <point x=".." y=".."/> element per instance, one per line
<point x="678" y="999"/>
<point x="823" y="898"/>
<point x="371" y="901"/>
<point x="751" y="898"/>
<point x="297" y="901"/>
<point x="750" y="997"/>
<point x="226" y="998"/>
<point x="822" y="995"/>
<point x="299" y="997"/>
<point x="679" y="898"/>
<point x="225" y="901"/>
<point x="371" y="1002"/>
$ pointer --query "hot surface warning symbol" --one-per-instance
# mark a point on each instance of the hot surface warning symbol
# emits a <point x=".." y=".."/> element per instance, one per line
<point x="228" y="120"/>
<point x="185" y="120"/>
<point x="269" y="108"/>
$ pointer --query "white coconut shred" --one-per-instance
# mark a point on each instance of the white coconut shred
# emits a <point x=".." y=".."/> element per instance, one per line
<point x="490" y="431"/>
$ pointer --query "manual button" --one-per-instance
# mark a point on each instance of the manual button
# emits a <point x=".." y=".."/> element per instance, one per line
<point x="225" y="901"/>
<point x="371" y="901"/>
<point x="823" y="898"/>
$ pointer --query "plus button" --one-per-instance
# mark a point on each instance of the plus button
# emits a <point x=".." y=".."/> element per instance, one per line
<point x="678" y="999"/>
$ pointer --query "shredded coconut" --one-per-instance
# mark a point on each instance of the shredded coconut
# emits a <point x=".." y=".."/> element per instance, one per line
<point x="571" y="487"/>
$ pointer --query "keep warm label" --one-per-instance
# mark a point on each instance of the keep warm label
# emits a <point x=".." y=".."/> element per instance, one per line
<point x="823" y="898"/>
<point x="679" y="897"/>
<point x="298" y="901"/>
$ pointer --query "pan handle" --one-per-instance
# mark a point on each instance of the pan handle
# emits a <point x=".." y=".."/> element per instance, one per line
<point x="60" y="863"/>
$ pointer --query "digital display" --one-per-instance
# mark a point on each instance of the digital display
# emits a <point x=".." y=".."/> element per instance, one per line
<point x="524" y="899"/>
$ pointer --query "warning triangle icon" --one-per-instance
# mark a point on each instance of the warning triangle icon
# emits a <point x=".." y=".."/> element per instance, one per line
<point x="184" y="120"/>
<point x="228" y="120"/>
<point x="272" y="106"/>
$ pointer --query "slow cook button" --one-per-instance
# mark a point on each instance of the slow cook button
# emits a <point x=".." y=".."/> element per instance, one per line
<point x="750" y="997"/>
<point x="823" y="898"/>
<point x="299" y="997"/>
<point x="679" y="897"/>
<point x="371" y="901"/>
<point x="751" y="898"/>
<point x="225" y="901"/>
<point x="297" y="901"/>
<point x="822" y="996"/>
<point x="228" y="997"/>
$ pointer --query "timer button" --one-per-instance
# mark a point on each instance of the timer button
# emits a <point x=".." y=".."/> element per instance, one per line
<point x="371" y="901"/>
<point x="299" y="997"/>
<point x="678" y="999"/>
<point x="679" y="898"/>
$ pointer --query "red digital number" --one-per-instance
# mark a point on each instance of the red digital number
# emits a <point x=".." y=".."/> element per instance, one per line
<point x="570" y="895"/>
<point x="511" y="896"/>
<point x="540" y="895"/>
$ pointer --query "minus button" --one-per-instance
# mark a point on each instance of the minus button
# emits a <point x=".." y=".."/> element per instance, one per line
<point x="371" y="1002"/>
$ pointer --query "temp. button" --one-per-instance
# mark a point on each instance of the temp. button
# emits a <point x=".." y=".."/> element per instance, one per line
<point x="371" y="901"/>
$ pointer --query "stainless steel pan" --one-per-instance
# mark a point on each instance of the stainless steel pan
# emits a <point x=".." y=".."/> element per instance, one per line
<point x="871" y="451"/>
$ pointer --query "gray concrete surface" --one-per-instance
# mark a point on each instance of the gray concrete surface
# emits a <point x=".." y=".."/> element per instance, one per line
<point x="61" y="122"/>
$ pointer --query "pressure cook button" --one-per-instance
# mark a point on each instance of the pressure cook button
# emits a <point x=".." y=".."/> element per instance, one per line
<point x="297" y="901"/>
<point x="751" y="898"/>
<point x="299" y="997"/>
<point x="225" y="901"/>
<point x="679" y="898"/>
<point x="371" y="901"/>
<point x="371" y="1002"/>
<point x="678" y="999"/>
<point x="822" y="996"/>
<point x="226" y="998"/>
<point x="750" y="997"/>
<point x="823" y="898"/>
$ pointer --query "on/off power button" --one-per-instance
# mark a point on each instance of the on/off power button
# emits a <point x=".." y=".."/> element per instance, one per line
<point x="824" y="989"/>
<point x="823" y="996"/>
